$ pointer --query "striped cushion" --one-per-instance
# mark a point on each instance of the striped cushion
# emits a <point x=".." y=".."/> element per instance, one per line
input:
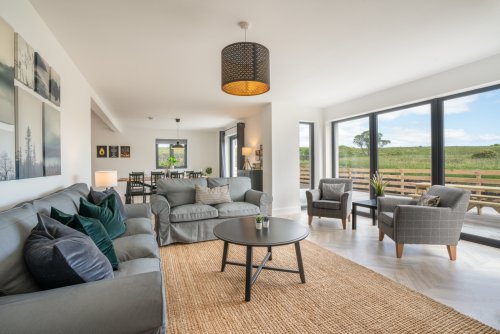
<point x="216" y="195"/>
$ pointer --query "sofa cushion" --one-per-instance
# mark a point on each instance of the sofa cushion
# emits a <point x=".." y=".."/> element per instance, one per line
<point x="58" y="256"/>
<point x="324" y="204"/>
<point x="15" y="227"/>
<point x="179" y="191"/>
<point x="387" y="218"/>
<point x="210" y="196"/>
<point x="237" y="209"/>
<point x="108" y="214"/>
<point x="91" y="227"/>
<point x="96" y="197"/>
<point x="428" y="200"/>
<point x="138" y="226"/>
<point x="332" y="191"/>
<point x="238" y="186"/>
<point x="138" y="266"/>
<point x="191" y="212"/>
<point x="135" y="247"/>
<point x="66" y="200"/>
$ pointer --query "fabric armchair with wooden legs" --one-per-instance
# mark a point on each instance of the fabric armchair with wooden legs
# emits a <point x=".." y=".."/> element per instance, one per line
<point x="317" y="205"/>
<point x="405" y="222"/>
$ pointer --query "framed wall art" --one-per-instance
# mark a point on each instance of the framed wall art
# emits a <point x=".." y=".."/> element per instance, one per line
<point x="113" y="152"/>
<point x="125" y="151"/>
<point x="51" y="141"/>
<point x="102" y="151"/>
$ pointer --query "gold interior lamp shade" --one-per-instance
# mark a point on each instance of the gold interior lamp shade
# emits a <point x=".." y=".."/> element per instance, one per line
<point x="245" y="69"/>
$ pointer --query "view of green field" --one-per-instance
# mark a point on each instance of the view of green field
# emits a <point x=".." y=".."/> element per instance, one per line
<point x="456" y="157"/>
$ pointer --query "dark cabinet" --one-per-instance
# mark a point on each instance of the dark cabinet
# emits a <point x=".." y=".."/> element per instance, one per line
<point x="254" y="175"/>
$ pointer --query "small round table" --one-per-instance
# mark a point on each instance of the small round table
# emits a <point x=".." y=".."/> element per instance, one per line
<point x="242" y="231"/>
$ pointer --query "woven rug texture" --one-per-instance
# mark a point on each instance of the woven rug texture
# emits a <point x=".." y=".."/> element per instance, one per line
<point x="339" y="296"/>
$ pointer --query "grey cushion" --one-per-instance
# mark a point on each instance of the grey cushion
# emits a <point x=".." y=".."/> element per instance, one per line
<point x="179" y="191"/>
<point x="138" y="266"/>
<point x="324" y="204"/>
<point x="135" y="247"/>
<point x="238" y="186"/>
<point x="138" y="226"/>
<point x="15" y="227"/>
<point x="386" y="218"/>
<point x="428" y="200"/>
<point x="237" y="209"/>
<point x="332" y="191"/>
<point x="191" y="212"/>
<point x="66" y="201"/>
<point x="96" y="197"/>
<point x="58" y="256"/>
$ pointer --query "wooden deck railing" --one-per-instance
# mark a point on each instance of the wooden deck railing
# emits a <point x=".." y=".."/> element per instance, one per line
<point x="402" y="181"/>
<point x="305" y="177"/>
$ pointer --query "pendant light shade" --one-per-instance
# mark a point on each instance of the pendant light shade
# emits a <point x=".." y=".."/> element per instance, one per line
<point x="245" y="68"/>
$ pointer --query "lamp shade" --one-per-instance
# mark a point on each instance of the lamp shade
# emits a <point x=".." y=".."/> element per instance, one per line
<point x="246" y="151"/>
<point x="106" y="178"/>
<point x="245" y="69"/>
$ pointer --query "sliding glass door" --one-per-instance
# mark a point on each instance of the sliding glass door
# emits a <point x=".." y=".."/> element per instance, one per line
<point x="233" y="156"/>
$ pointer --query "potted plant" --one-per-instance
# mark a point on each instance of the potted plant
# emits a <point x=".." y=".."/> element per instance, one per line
<point x="265" y="222"/>
<point x="378" y="184"/>
<point x="171" y="163"/>
<point x="208" y="171"/>
<point x="258" y="222"/>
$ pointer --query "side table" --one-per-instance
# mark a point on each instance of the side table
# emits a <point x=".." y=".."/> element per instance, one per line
<point x="370" y="204"/>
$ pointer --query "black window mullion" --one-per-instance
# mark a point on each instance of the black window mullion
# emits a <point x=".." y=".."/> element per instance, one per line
<point x="373" y="148"/>
<point x="437" y="141"/>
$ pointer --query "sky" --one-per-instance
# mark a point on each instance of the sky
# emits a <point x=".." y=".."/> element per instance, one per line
<point x="472" y="120"/>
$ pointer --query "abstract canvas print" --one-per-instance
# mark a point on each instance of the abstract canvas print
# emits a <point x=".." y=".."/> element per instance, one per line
<point x="113" y="152"/>
<point x="42" y="76"/>
<point x="125" y="151"/>
<point x="51" y="141"/>
<point x="102" y="151"/>
<point x="55" y="87"/>
<point x="25" y="62"/>
<point x="7" y="108"/>
<point x="29" y="130"/>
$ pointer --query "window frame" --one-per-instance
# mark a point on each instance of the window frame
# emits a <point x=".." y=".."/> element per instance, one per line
<point x="171" y="142"/>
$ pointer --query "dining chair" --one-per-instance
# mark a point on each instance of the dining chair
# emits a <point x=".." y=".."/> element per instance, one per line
<point x="195" y="175"/>
<point x="187" y="173"/>
<point x="135" y="186"/>
<point x="155" y="176"/>
<point x="176" y="175"/>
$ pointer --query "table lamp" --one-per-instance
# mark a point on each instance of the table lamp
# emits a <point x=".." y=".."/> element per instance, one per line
<point x="106" y="178"/>
<point x="246" y="152"/>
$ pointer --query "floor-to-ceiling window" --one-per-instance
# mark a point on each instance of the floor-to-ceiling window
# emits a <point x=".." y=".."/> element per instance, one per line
<point x="472" y="157"/>
<point x="404" y="148"/>
<point x="306" y="159"/>
<point x="352" y="144"/>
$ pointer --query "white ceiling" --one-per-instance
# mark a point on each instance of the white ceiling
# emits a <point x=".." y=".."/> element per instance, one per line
<point x="161" y="58"/>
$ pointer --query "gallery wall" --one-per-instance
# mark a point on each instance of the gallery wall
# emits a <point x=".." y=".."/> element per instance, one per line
<point x="74" y="110"/>
<point x="202" y="149"/>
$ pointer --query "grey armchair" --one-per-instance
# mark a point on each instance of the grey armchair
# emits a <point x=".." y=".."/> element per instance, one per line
<point x="317" y="206"/>
<point x="407" y="223"/>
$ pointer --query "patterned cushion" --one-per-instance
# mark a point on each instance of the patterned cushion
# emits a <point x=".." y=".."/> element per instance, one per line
<point x="209" y="196"/>
<point x="322" y="204"/>
<point x="332" y="191"/>
<point x="428" y="200"/>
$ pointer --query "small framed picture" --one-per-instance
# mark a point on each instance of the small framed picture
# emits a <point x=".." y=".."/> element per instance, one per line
<point x="102" y="151"/>
<point x="125" y="151"/>
<point x="113" y="152"/>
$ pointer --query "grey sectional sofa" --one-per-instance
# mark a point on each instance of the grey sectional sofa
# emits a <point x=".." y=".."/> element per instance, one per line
<point x="179" y="219"/>
<point x="132" y="302"/>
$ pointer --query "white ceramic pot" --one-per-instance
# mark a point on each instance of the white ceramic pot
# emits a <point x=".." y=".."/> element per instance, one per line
<point x="265" y="224"/>
<point x="258" y="226"/>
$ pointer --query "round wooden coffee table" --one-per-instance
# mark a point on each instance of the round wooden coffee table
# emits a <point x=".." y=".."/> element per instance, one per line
<point x="242" y="231"/>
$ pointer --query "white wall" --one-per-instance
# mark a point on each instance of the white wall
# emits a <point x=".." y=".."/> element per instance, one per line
<point x="76" y="95"/>
<point x="284" y="162"/>
<point x="203" y="149"/>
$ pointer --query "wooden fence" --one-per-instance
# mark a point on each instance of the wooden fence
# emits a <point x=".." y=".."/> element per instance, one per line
<point x="402" y="181"/>
<point x="305" y="177"/>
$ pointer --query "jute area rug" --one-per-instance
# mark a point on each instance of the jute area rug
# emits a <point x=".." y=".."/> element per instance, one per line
<point x="339" y="296"/>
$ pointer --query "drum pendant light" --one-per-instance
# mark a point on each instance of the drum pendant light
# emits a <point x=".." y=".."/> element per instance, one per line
<point x="245" y="67"/>
<point x="177" y="145"/>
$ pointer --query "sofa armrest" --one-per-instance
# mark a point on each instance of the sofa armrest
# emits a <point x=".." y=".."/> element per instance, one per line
<point x="346" y="203"/>
<point x="260" y="199"/>
<point x="388" y="204"/>
<point x="161" y="210"/>
<point x="132" y="304"/>
<point x="139" y="210"/>
<point x="312" y="195"/>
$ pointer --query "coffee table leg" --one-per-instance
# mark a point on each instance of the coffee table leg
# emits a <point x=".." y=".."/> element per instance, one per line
<point x="354" y="217"/>
<point x="224" y="256"/>
<point x="299" y="262"/>
<point x="248" y="276"/>
<point x="269" y="250"/>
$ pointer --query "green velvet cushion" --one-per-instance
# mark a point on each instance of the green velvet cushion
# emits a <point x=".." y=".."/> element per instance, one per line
<point x="108" y="214"/>
<point x="91" y="227"/>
